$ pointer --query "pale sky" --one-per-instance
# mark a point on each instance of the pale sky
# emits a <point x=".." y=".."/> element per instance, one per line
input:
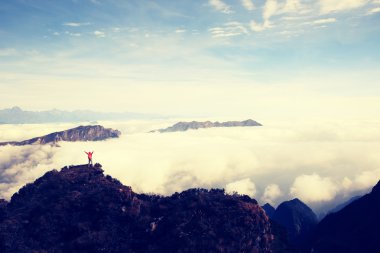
<point x="270" y="59"/>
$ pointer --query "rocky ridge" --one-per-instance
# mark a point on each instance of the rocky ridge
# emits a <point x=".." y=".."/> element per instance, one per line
<point x="184" y="126"/>
<point x="79" y="209"/>
<point x="81" y="133"/>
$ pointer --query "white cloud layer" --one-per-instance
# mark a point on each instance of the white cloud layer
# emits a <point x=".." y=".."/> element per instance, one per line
<point x="271" y="193"/>
<point x="244" y="186"/>
<point x="324" y="21"/>
<point x="316" y="162"/>
<point x="327" y="6"/>
<point x="221" y="6"/>
<point x="99" y="34"/>
<point x="270" y="9"/>
<point x="257" y="27"/>
<point x="229" y="29"/>
<point x="75" y="24"/>
<point x="292" y="6"/>
<point x="248" y="4"/>
<point x="298" y="9"/>
<point x="313" y="188"/>
<point x="373" y="11"/>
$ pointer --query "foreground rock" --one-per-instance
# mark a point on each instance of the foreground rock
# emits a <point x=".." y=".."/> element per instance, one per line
<point x="78" y="209"/>
<point x="184" y="126"/>
<point x="81" y="133"/>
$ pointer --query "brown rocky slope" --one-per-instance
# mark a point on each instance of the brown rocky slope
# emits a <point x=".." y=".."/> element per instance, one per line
<point x="79" y="209"/>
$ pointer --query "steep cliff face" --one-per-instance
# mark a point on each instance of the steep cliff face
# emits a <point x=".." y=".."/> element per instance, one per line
<point x="78" y="209"/>
<point x="184" y="126"/>
<point x="352" y="229"/>
<point x="81" y="133"/>
<point x="298" y="220"/>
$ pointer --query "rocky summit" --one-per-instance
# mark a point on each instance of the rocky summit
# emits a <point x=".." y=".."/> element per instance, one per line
<point x="81" y="133"/>
<point x="184" y="126"/>
<point x="299" y="221"/>
<point x="269" y="210"/>
<point x="79" y="209"/>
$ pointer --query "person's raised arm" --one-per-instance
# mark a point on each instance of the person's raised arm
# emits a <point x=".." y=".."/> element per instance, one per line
<point x="86" y="152"/>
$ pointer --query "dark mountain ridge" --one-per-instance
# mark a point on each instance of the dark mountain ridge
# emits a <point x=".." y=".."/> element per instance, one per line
<point x="78" y="209"/>
<point x="343" y="205"/>
<point x="184" y="126"/>
<point x="81" y="133"/>
<point x="352" y="229"/>
<point x="298" y="219"/>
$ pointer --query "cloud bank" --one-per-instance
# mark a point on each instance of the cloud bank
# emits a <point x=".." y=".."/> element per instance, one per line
<point x="328" y="6"/>
<point x="244" y="186"/>
<point x="271" y="193"/>
<point x="312" y="188"/>
<point x="221" y="6"/>
<point x="316" y="162"/>
<point x="248" y="4"/>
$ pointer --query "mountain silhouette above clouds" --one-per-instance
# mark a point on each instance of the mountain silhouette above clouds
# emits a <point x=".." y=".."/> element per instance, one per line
<point x="81" y="133"/>
<point x="79" y="209"/>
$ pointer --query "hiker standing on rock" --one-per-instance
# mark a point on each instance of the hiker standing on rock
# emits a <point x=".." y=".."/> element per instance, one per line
<point x="89" y="155"/>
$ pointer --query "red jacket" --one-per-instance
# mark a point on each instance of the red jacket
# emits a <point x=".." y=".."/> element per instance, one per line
<point x="89" y="154"/>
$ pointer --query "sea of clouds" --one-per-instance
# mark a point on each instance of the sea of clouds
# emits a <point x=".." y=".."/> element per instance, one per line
<point x="322" y="163"/>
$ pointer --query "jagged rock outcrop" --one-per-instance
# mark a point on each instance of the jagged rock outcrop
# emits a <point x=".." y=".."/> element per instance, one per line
<point x="78" y="209"/>
<point x="352" y="229"/>
<point x="269" y="209"/>
<point x="81" y="133"/>
<point x="184" y="126"/>
<point x="298" y="220"/>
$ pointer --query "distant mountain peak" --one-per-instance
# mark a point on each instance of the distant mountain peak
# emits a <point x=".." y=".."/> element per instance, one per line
<point x="184" y="126"/>
<point x="298" y="219"/>
<point x="81" y="133"/>
<point x="16" y="109"/>
<point x="295" y="201"/>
